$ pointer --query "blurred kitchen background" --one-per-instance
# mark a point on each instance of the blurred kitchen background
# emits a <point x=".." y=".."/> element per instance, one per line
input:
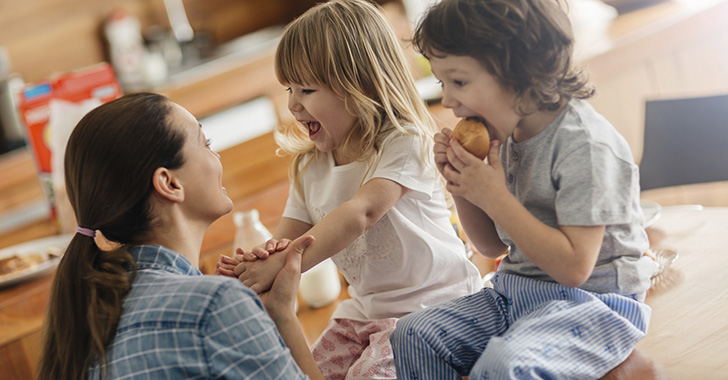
<point x="215" y="57"/>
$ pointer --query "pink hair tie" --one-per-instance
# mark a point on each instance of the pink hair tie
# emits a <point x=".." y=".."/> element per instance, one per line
<point x="86" y="231"/>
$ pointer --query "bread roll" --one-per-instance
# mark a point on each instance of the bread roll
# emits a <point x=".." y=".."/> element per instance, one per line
<point x="473" y="136"/>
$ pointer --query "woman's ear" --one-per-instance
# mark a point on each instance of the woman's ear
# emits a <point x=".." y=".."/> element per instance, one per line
<point x="167" y="185"/>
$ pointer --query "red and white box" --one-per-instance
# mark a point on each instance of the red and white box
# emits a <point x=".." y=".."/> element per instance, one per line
<point x="93" y="82"/>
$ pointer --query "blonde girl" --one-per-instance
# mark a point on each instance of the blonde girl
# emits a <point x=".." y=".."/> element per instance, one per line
<point x="363" y="184"/>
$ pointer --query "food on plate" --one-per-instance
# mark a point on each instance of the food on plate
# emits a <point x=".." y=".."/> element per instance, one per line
<point x="473" y="136"/>
<point x="22" y="262"/>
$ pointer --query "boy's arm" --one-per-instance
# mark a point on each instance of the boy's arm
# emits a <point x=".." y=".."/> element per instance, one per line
<point x="567" y="254"/>
<point x="479" y="228"/>
<point x="477" y="225"/>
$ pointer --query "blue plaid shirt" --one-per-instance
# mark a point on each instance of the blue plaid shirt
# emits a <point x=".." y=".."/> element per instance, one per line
<point x="179" y="324"/>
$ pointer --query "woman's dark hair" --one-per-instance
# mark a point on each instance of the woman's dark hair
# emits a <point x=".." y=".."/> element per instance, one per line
<point x="110" y="159"/>
<point x="526" y="44"/>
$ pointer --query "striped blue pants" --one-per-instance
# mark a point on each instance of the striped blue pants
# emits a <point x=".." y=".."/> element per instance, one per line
<point x="520" y="329"/>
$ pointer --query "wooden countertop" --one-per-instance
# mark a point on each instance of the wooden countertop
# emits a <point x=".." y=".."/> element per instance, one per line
<point x="688" y="333"/>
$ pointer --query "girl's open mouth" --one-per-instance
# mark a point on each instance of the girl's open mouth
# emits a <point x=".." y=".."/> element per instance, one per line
<point x="313" y="128"/>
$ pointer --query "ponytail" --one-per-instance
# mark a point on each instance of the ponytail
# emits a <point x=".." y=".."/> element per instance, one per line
<point x="85" y="307"/>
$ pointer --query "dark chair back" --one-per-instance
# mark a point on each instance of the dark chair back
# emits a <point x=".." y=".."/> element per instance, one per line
<point x="686" y="142"/>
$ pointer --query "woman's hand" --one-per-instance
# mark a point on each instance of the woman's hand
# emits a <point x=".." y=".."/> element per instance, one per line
<point x="258" y="275"/>
<point x="280" y="301"/>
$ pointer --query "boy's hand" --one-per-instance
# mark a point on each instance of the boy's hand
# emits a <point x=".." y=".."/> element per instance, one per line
<point x="472" y="178"/>
<point x="264" y="250"/>
<point x="442" y="143"/>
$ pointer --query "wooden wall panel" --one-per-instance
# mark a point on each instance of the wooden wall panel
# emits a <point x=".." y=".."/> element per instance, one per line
<point x="225" y="19"/>
<point x="620" y="99"/>
<point x="684" y="59"/>
<point x="49" y="36"/>
<point x="707" y="64"/>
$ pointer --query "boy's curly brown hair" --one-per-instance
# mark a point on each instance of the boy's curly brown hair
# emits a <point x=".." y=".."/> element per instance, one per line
<point x="525" y="44"/>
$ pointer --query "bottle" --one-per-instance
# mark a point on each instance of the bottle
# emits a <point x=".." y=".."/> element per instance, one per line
<point x="12" y="135"/>
<point x="249" y="230"/>
<point x="320" y="285"/>
<point x="126" y="49"/>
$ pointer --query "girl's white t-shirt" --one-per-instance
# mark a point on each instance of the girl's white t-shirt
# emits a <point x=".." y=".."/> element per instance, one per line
<point x="411" y="258"/>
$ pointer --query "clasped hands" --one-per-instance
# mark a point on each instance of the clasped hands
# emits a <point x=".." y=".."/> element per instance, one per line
<point x="258" y="267"/>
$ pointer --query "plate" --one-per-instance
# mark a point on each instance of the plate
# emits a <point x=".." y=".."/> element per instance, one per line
<point x="651" y="212"/>
<point x="39" y="246"/>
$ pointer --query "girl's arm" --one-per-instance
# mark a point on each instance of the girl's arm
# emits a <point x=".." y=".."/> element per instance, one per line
<point x="258" y="275"/>
<point x="290" y="229"/>
<point x="349" y="221"/>
<point x="333" y="233"/>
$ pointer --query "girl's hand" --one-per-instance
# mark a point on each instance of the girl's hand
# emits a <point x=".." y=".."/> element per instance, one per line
<point x="264" y="250"/>
<point x="226" y="265"/>
<point x="476" y="180"/>
<point x="442" y="143"/>
<point x="258" y="275"/>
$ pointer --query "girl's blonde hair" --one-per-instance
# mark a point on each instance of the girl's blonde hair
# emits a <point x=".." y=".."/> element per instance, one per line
<point x="348" y="47"/>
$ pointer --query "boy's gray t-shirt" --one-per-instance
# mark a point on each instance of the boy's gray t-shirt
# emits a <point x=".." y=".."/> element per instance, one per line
<point x="579" y="171"/>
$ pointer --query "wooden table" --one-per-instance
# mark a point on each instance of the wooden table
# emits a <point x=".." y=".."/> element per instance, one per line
<point x="688" y="333"/>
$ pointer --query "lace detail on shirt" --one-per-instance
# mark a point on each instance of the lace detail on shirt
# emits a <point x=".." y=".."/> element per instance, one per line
<point x="378" y="248"/>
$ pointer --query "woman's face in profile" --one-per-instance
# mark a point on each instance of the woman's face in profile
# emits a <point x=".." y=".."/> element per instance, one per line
<point x="201" y="174"/>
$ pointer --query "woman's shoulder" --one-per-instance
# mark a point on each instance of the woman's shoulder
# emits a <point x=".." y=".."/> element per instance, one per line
<point x="183" y="299"/>
<point x="212" y="285"/>
<point x="199" y="291"/>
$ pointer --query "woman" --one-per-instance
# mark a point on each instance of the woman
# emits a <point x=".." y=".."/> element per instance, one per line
<point x="140" y="172"/>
